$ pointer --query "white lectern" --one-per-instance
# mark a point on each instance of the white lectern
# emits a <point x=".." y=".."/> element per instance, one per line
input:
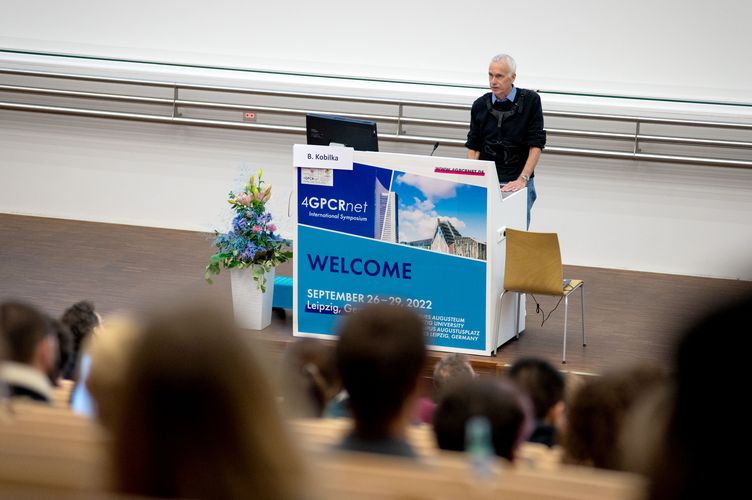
<point x="420" y="231"/>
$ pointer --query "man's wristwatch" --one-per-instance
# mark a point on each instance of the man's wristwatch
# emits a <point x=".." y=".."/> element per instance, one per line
<point x="525" y="178"/>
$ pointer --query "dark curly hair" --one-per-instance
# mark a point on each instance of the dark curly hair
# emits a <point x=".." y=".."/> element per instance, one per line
<point x="80" y="319"/>
<point x="65" y="354"/>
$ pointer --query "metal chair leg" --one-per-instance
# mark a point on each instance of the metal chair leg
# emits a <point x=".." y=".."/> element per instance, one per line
<point x="566" y="312"/>
<point x="582" y="302"/>
<point x="517" y="315"/>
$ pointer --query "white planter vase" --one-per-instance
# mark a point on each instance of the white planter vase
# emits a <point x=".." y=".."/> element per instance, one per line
<point x="253" y="308"/>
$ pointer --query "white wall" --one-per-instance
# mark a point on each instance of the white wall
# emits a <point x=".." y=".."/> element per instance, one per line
<point x="654" y="217"/>
<point x="661" y="218"/>
<point x="671" y="48"/>
<point x="677" y="219"/>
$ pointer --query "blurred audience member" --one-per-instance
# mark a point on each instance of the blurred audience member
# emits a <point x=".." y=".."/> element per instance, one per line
<point x="3" y="357"/>
<point x="309" y="378"/>
<point x="339" y="406"/>
<point x="64" y="350"/>
<point x="452" y="368"/>
<point x="103" y="367"/>
<point x="81" y="320"/>
<point x="380" y="353"/>
<point x="508" y="410"/>
<point x="198" y="418"/>
<point x="545" y="386"/>
<point x="697" y="456"/>
<point x="31" y="352"/>
<point x="643" y="430"/>
<point x="597" y="411"/>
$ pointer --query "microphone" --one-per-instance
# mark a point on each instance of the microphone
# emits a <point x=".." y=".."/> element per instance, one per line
<point x="434" y="148"/>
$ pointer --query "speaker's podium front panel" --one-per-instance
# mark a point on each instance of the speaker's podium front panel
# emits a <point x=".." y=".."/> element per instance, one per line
<point x="416" y="231"/>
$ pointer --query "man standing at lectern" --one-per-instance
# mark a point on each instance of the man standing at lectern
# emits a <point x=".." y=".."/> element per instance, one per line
<point x="506" y="127"/>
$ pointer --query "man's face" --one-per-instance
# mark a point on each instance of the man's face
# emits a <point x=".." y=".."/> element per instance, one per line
<point x="500" y="79"/>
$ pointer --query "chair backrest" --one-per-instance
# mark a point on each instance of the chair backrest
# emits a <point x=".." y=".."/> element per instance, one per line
<point x="448" y="476"/>
<point x="533" y="263"/>
<point x="48" y="447"/>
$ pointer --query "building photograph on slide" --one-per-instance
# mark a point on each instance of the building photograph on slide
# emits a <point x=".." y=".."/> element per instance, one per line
<point x="441" y="215"/>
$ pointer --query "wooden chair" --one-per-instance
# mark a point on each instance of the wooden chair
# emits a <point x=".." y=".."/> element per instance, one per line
<point x="48" y="447"/>
<point x="533" y="265"/>
<point x="324" y="433"/>
<point x="61" y="394"/>
<point x="449" y="476"/>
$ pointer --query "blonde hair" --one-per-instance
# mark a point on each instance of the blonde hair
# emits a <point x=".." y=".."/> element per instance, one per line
<point x="110" y="352"/>
<point x="201" y="419"/>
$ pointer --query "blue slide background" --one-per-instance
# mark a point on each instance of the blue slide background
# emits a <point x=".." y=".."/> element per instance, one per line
<point x="354" y="186"/>
<point x="443" y="279"/>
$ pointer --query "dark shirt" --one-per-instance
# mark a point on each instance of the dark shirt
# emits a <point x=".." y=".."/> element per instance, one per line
<point x="339" y="407"/>
<point x="505" y="132"/>
<point x="384" y="446"/>
<point x="543" y="434"/>
<point x="18" y="391"/>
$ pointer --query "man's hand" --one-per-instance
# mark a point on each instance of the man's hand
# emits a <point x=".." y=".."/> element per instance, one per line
<point x="514" y="185"/>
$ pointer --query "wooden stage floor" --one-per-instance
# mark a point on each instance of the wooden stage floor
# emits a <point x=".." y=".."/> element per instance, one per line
<point x="53" y="263"/>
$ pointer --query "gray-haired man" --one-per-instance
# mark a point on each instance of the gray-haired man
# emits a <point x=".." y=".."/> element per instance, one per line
<point x="506" y="127"/>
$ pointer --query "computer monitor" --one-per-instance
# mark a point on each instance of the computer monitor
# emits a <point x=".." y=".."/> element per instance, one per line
<point x="324" y="130"/>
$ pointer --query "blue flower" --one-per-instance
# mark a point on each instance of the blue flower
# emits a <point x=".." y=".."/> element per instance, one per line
<point x="249" y="252"/>
<point x="240" y="224"/>
<point x="264" y="218"/>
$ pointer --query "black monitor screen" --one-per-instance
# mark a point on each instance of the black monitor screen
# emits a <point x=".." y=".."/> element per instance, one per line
<point x="324" y="130"/>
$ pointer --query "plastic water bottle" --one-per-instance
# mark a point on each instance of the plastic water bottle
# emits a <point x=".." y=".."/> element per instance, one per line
<point x="479" y="448"/>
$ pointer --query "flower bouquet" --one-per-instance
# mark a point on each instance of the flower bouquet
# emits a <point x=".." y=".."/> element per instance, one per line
<point x="252" y="241"/>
